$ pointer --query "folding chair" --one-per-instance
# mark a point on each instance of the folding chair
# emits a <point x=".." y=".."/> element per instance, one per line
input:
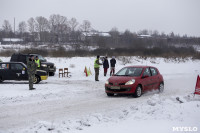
<point x="66" y="71"/>
<point x="61" y="72"/>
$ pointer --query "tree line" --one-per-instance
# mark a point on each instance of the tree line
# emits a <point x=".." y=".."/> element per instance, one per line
<point x="40" y="29"/>
<point x="61" y="30"/>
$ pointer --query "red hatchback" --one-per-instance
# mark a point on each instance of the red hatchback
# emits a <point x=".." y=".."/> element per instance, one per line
<point x="134" y="80"/>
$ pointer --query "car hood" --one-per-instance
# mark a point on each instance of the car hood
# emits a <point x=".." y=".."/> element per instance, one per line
<point x="120" y="79"/>
<point x="47" y="63"/>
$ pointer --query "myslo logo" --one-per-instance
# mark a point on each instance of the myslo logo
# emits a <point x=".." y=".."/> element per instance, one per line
<point x="185" y="129"/>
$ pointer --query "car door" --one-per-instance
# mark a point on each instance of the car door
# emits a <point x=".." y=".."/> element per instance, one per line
<point x="146" y="80"/>
<point x="18" y="71"/>
<point x="155" y="78"/>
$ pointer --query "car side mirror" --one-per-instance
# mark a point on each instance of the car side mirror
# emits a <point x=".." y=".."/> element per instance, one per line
<point x="145" y="76"/>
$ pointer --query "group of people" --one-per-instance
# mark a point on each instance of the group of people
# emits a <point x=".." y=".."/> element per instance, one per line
<point x="105" y="66"/>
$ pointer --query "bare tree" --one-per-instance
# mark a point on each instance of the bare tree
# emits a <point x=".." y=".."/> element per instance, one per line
<point x="73" y="24"/>
<point x="7" y="29"/>
<point x="114" y="32"/>
<point x="59" y="26"/>
<point x="155" y="33"/>
<point x="56" y="21"/>
<point x="22" y="27"/>
<point x="86" y="26"/>
<point x="114" y="36"/>
<point x="6" y="26"/>
<point x="31" y="25"/>
<point x="42" y="25"/>
<point x="143" y="32"/>
<point x="172" y="35"/>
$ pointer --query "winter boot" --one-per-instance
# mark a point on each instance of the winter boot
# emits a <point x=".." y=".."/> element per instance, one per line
<point x="32" y="89"/>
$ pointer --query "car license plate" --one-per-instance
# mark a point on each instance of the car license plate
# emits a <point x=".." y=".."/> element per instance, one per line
<point x="115" y="87"/>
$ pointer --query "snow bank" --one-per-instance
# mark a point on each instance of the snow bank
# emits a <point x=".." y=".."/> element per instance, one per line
<point x="79" y="104"/>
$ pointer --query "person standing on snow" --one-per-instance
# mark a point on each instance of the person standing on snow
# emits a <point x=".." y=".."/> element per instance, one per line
<point x="105" y="65"/>
<point x="38" y="62"/>
<point x="96" y="68"/>
<point x="112" y="64"/>
<point x="31" y="69"/>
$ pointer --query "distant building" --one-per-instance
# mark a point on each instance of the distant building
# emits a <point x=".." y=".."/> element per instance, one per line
<point x="144" y="36"/>
<point x="11" y="40"/>
<point x="89" y="35"/>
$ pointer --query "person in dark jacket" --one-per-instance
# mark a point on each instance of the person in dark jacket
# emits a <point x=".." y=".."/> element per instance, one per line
<point x="105" y="65"/>
<point x="112" y="65"/>
<point x="31" y="69"/>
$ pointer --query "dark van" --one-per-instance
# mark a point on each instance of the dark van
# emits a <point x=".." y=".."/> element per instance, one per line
<point x="49" y="67"/>
<point x="18" y="71"/>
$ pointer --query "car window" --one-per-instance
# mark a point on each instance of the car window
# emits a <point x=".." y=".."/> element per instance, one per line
<point x="153" y="71"/>
<point x="130" y="71"/>
<point x="16" y="67"/>
<point x="4" y="66"/>
<point x="147" y="72"/>
<point x="122" y="71"/>
<point x="39" y="57"/>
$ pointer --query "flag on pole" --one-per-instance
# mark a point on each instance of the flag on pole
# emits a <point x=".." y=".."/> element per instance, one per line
<point x="90" y="71"/>
<point x="197" y="88"/>
<point x="85" y="71"/>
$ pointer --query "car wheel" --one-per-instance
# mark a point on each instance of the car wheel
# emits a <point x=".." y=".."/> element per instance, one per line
<point x="110" y="94"/>
<point x="51" y="73"/>
<point x="36" y="79"/>
<point x="161" y="87"/>
<point x="138" y="91"/>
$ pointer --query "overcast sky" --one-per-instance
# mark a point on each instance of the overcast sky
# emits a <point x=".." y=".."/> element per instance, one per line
<point x="180" y="16"/>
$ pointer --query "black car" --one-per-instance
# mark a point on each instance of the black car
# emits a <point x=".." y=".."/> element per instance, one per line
<point x="18" y="71"/>
<point x="46" y="66"/>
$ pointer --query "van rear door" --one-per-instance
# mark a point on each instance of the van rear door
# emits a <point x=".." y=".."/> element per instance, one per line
<point x="5" y="71"/>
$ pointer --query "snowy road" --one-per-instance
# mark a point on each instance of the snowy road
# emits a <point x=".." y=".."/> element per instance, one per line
<point x="71" y="104"/>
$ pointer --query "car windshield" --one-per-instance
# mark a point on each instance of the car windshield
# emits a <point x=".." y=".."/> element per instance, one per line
<point x="130" y="71"/>
<point x="40" y="57"/>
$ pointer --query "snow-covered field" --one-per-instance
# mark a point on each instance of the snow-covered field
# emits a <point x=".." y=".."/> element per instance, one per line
<point x="79" y="104"/>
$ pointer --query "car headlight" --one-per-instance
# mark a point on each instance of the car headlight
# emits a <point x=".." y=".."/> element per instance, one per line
<point x="107" y="82"/>
<point x="44" y="65"/>
<point x="130" y="82"/>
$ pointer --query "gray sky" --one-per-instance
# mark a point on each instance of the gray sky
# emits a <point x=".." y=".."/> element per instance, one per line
<point x="180" y="16"/>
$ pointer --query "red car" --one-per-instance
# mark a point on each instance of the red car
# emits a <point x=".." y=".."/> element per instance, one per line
<point x="134" y="80"/>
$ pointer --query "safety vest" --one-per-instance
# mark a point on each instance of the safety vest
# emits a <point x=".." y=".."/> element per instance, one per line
<point x="95" y="64"/>
<point x="38" y="62"/>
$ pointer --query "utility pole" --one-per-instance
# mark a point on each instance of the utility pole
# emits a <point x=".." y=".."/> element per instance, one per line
<point x="14" y="27"/>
